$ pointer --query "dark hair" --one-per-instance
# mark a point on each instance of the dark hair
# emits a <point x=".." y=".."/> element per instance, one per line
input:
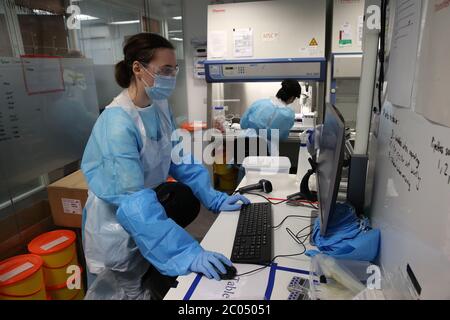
<point x="289" y="89"/>
<point x="140" y="47"/>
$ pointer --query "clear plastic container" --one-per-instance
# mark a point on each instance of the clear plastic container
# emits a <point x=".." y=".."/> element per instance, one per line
<point x="309" y="119"/>
<point x="274" y="169"/>
<point x="332" y="279"/>
<point x="267" y="164"/>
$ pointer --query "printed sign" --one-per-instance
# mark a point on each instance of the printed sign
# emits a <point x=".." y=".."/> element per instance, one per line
<point x="72" y="206"/>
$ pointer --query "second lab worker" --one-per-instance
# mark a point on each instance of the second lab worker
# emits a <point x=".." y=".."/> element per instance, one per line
<point x="273" y="113"/>
<point x="128" y="155"/>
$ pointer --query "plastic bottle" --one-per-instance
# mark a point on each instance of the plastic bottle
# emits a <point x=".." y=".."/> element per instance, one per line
<point x="219" y="118"/>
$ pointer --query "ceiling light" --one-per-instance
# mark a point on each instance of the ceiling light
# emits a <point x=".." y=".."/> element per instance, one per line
<point x="177" y="18"/>
<point x="176" y="39"/>
<point x="85" y="17"/>
<point x="126" y="22"/>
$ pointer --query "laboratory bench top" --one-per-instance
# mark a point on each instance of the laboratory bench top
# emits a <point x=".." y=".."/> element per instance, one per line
<point x="294" y="134"/>
<point x="220" y="237"/>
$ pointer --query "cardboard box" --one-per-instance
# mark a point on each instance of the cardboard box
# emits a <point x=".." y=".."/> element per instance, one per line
<point x="67" y="198"/>
<point x="19" y="228"/>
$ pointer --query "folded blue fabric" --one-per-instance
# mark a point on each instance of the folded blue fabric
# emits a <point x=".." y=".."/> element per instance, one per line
<point x="347" y="237"/>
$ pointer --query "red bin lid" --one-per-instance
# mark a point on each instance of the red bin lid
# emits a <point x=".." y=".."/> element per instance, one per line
<point x="51" y="242"/>
<point x="18" y="268"/>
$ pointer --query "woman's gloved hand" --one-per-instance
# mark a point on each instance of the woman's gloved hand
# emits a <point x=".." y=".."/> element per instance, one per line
<point x="313" y="137"/>
<point x="231" y="204"/>
<point x="207" y="262"/>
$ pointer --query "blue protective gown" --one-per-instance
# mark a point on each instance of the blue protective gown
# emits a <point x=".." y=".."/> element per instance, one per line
<point x="126" y="226"/>
<point x="269" y="114"/>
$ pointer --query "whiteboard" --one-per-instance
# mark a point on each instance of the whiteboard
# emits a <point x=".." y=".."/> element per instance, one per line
<point x="41" y="132"/>
<point x="411" y="190"/>
<point x="411" y="200"/>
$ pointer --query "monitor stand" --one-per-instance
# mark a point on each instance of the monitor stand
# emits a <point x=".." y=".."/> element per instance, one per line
<point x="304" y="185"/>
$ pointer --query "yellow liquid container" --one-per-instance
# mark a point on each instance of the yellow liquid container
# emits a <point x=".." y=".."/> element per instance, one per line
<point x="22" y="278"/>
<point x="56" y="248"/>
<point x="56" y="276"/>
<point x="58" y="251"/>
<point x="62" y="292"/>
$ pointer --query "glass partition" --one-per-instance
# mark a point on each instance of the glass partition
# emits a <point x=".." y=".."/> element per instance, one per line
<point x="57" y="61"/>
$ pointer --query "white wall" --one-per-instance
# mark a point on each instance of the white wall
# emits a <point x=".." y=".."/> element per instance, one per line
<point x="195" y="17"/>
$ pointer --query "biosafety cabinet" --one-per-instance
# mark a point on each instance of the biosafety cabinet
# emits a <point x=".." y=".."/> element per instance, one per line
<point x="253" y="46"/>
<point x="265" y="42"/>
<point x="253" y="41"/>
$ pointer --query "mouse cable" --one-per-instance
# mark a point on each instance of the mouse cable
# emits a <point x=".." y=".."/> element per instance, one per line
<point x="293" y="216"/>
<point x="267" y="199"/>
<point x="297" y="203"/>
<point x="276" y="257"/>
<point x="302" y="203"/>
<point x="298" y="238"/>
<point x="310" y="226"/>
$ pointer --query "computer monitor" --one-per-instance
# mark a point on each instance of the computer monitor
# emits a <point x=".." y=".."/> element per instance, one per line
<point x="330" y="160"/>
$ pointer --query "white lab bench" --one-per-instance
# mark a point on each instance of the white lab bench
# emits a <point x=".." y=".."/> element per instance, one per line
<point x="220" y="237"/>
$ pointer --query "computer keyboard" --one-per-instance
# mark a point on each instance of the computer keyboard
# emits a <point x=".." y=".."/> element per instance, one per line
<point x="253" y="239"/>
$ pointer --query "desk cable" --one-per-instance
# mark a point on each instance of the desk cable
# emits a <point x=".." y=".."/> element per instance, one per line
<point x="297" y="202"/>
<point x="268" y="265"/>
<point x="297" y="238"/>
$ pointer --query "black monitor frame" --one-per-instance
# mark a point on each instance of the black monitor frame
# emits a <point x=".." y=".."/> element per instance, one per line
<point x="328" y="204"/>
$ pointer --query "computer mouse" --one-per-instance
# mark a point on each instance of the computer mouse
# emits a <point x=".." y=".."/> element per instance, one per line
<point x="229" y="275"/>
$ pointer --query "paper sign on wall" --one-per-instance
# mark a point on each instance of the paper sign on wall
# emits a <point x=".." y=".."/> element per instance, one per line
<point x="243" y="42"/>
<point x="217" y="44"/>
<point x="345" y="35"/>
